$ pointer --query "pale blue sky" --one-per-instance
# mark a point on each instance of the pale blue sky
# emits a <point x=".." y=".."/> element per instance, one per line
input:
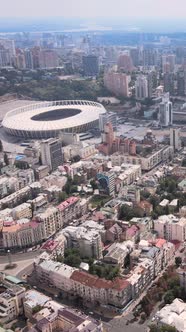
<point x="93" y="8"/>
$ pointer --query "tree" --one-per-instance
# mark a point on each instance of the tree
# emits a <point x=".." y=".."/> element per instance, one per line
<point x="1" y="146"/>
<point x="36" y="309"/>
<point x="94" y="184"/>
<point x="40" y="160"/>
<point x="154" y="200"/>
<point x="127" y="212"/>
<point x="167" y="328"/>
<point x="75" y="159"/>
<point x="153" y="328"/>
<point x="6" y="161"/>
<point x="169" y="297"/>
<point x="178" y="261"/>
<point x="62" y="197"/>
<point x="32" y="208"/>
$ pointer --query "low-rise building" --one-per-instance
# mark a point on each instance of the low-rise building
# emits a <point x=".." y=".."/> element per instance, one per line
<point x="32" y="300"/>
<point x="55" y="247"/>
<point x="182" y="185"/>
<point x="53" y="317"/>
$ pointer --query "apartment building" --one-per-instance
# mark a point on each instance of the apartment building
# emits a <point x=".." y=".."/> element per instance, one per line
<point x="8" y="185"/>
<point x="86" y="240"/>
<point x="117" y="83"/>
<point x="171" y="228"/>
<point x="147" y="163"/>
<point x="14" y="199"/>
<point x="53" y="274"/>
<point x="41" y="172"/>
<point x="141" y="276"/>
<point x="160" y="251"/>
<point x="11" y="303"/>
<point x="22" y="211"/>
<point x="39" y="201"/>
<point x="51" y="153"/>
<point x="70" y="209"/>
<point x="78" y="283"/>
<point x="24" y="233"/>
<point x="126" y="174"/>
<point x="52" y="220"/>
<point x="55" y="247"/>
<point x="26" y="177"/>
<point x="96" y="290"/>
<point x="33" y="299"/>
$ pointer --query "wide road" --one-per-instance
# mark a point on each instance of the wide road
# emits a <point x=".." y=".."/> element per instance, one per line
<point x="17" y="257"/>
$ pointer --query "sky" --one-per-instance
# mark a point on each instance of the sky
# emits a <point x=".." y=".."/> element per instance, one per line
<point x="94" y="8"/>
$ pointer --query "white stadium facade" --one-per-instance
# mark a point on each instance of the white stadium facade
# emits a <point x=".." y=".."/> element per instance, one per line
<point x="48" y="119"/>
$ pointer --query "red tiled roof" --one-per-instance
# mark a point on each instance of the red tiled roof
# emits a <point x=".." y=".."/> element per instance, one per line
<point x="67" y="203"/>
<point x="50" y="245"/>
<point x="84" y="278"/>
<point x="93" y="281"/>
<point x="120" y="283"/>
<point x="103" y="283"/>
<point x="160" y="242"/>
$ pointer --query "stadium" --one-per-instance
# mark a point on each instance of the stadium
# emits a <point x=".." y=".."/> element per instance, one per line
<point x="48" y="119"/>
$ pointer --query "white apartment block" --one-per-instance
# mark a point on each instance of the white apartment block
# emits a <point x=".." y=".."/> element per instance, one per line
<point x="11" y="303"/>
<point x="126" y="174"/>
<point x="53" y="274"/>
<point x="82" y="149"/>
<point x="171" y="228"/>
<point x="141" y="276"/>
<point x="14" y="198"/>
<point x="87" y="241"/>
<point x="52" y="219"/>
<point x="147" y="163"/>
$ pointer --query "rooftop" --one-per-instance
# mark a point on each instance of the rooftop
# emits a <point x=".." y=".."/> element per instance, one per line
<point x="62" y="269"/>
<point x="33" y="298"/>
<point x="173" y="314"/>
<point x="64" y="205"/>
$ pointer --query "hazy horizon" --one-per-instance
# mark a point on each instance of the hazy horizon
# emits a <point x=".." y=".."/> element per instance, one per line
<point x="96" y="8"/>
<point x="60" y="15"/>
